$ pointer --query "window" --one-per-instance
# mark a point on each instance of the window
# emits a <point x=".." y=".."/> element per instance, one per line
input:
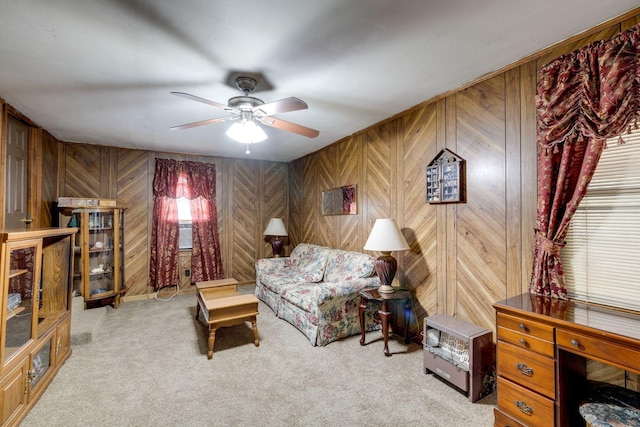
<point x="601" y="258"/>
<point x="184" y="217"/>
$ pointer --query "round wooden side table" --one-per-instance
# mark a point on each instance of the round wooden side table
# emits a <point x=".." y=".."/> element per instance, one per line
<point x="368" y="296"/>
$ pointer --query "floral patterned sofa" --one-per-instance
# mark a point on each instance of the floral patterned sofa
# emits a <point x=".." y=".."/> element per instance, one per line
<point x="316" y="290"/>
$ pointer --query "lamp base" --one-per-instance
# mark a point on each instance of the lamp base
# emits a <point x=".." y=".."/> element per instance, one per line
<point x="276" y="246"/>
<point x="386" y="289"/>
<point x="386" y="266"/>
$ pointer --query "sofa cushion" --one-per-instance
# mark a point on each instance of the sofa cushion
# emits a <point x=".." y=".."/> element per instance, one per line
<point x="302" y="295"/>
<point x="343" y="265"/>
<point x="277" y="281"/>
<point x="307" y="262"/>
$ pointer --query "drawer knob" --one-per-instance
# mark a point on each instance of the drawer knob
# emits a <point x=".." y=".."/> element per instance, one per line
<point x="524" y="408"/>
<point x="523" y="341"/>
<point x="524" y="369"/>
<point x="575" y="343"/>
<point x="522" y="326"/>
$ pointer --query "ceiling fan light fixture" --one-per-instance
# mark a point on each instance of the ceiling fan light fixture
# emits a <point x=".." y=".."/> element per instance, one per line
<point x="246" y="132"/>
<point x="250" y="112"/>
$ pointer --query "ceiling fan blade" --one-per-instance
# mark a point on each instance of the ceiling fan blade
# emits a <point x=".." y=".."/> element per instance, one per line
<point x="202" y="123"/>
<point x="289" y="127"/>
<point x="281" y="106"/>
<point x="204" y="101"/>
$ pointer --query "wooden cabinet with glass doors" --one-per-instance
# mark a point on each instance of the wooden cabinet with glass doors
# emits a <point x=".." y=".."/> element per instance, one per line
<point x="35" y="322"/>
<point x="98" y="274"/>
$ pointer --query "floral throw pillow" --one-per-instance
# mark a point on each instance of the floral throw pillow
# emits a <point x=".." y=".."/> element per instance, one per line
<point x="309" y="263"/>
<point x="343" y="265"/>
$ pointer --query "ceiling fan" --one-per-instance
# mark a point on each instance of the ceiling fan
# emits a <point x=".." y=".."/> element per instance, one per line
<point x="246" y="110"/>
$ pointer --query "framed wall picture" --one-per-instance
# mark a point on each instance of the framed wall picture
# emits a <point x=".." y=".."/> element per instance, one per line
<point x="339" y="201"/>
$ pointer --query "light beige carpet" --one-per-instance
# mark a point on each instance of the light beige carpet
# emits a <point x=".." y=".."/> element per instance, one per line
<point x="148" y="367"/>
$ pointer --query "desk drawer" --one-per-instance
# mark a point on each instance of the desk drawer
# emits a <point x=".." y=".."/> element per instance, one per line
<point x="530" y="369"/>
<point x="500" y="419"/>
<point x="525" y="405"/>
<point x="526" y="341"/>
<point x="525" y="327"/>
<point x="595" y="347"/>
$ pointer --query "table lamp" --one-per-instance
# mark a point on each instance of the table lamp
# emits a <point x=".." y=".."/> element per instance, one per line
<point x="386" y="237"/>
<point x="276" y="229"/>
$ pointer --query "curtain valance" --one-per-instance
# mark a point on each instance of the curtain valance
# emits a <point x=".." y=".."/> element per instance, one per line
<point x="594" y="91"/>
<point x="200" y="179"/>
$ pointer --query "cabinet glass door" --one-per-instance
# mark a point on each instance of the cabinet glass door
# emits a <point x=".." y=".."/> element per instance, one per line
<point x="100" y="253"/>
<point x="40" y="364"/>
<point x="433" y="183"/>
<point x="23" y="295"/>
<point x="119" y="239"/>
<point x="450" y="182"/>
<point x="54" y="286"/>
<point x="78" y="264"/>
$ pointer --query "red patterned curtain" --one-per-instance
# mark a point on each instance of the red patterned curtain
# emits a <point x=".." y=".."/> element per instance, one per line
<point x="196" y="182"/>
<point x="163" y="269"/>
<point x="582" y="98"/>
<point x="206" y="262"/>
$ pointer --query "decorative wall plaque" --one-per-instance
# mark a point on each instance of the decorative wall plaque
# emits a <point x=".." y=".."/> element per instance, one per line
<point x="446" y="178"/>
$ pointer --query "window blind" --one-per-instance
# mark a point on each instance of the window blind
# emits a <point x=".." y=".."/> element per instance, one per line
<point x="185" y="230"/>
<point x="602" y="257"/>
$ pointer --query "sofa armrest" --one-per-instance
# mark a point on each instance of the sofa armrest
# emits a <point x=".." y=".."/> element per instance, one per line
<point x="270" y="266"/>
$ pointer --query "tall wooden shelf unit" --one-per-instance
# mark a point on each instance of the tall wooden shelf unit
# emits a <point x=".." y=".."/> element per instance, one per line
<point x="99" y="262"/>
<point x="35" y="317"/>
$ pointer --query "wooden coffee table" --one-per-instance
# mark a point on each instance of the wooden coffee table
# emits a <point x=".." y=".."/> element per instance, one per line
<point x="222" y="305"/>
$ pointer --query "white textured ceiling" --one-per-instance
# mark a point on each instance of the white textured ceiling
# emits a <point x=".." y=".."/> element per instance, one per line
<point x="100" y="71"/>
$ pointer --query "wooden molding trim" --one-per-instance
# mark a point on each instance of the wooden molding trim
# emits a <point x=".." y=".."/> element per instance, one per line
<point x="17" y="114"/>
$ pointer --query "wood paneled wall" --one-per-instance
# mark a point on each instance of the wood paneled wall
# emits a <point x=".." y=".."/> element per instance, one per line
<point x="465" y="256"/>
<point x="49" y="152"/>
<point x="248" y="194"/>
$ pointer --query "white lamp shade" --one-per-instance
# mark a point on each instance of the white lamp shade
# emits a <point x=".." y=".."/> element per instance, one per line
<point x="386" y="237"/>
<point x="275" y="228"/>
<point x="246" y="132"/>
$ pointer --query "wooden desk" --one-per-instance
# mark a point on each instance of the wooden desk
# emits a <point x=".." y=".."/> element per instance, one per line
<point x="542" y="348"/>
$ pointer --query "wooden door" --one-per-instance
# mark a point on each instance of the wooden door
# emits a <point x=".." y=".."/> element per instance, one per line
<point x="17" y="175"/>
